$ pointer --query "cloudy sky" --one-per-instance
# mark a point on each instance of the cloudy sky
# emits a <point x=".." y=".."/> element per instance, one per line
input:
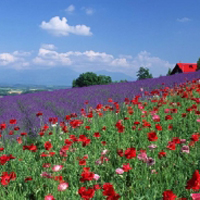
<point x="93" y="35"/>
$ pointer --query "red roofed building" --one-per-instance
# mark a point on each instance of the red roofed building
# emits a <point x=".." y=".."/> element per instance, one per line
<point x="184" y="68"/>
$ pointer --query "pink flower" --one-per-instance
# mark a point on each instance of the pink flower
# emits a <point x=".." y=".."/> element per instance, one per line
<point x="150" y="161"/>
<point x="156" y="117"/>
<point x="96" y="177"/>
<point x="98" y="162"/>
<point x="141" y="89"/>
<point x="63" y="186"/>
<point x="140" y="107"/>
<point x="195" y="196"/>
<point x="152" y="146"/>
<point x="143" y="156"/>
<point x="63" y="153"/>
<point x="45" y="174"/>
<point x="49" y="197"/>
<point x="104" y="152"/>
<point x="119" y="171"/>
<point x="182" y="140"/>
<point x="153" y="112"/>
<point x="167" y="110"/>
<point x="198" y="120"/>
<point x="57" y="168"/>
<point x="185" y="149"/>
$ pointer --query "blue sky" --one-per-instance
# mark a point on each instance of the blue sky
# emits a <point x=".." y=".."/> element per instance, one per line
<point x="88" y="35"/>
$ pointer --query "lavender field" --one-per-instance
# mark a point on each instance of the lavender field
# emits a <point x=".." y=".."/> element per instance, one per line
<point x="66" y="101"/>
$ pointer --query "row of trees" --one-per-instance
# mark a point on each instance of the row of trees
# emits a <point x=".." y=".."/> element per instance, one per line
<point x="90" y="78"/>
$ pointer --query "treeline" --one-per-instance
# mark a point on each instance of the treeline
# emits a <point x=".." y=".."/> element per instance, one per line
<point x="90" y="78"/>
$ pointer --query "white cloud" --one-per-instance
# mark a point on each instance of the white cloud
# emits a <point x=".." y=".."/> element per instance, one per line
<point x="15" y="60"/>
<point x="184" y="19"/>
<point x="7" y="58"/>
<point x="125" y="56"/>
<point x="59" y="27"/>
<point x="120" y="62"/>
<point x="48" y="46"/>
<point x="51" y="58"/>
<point x="70" y="9"/>
<point x="89" y="11"/>
<point x="89" y="60"/>
<point x="97" y="56"/>
<point x="95" y="61"/>
<point x="21" y="53"/>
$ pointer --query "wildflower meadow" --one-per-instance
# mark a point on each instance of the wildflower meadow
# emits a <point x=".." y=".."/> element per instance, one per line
<point x="146" y="148"/>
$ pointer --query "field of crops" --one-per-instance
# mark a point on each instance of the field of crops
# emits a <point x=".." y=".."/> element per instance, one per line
<point x="136" y="140"/>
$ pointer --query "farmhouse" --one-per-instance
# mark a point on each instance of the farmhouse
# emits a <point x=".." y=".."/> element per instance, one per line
<point x="184" y="68"/>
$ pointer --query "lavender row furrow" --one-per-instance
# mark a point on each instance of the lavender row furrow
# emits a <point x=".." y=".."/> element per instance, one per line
<point x="60" y="103"/>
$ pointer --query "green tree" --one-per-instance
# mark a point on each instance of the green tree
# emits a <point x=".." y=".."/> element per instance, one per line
<point x="123" y="81"/>
<point x="74" y="83"/>
<point x="143" y="73"/>
<point x="103" y="80"/>
<point x="90" y="78"/>
<point x="198" y="64"/>
<point x="169" y="72"/>
<point x="86" y="79"/>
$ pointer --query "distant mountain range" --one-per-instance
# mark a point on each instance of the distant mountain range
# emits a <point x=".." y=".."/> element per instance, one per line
<point x="59" y="76"/>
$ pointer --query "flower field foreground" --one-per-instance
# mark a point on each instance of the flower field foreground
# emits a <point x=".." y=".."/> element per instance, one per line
<point x="141" y="150"/>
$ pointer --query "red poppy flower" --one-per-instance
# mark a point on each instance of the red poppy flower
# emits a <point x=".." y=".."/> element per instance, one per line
<point x="13" y="121"/>
<point x="152" y="136"/>
<point x="29" y="178"/>
<point x="82" y="162"/>
<point x="86" y="175"/>
<point x="16" y="128"/>
<point x="195" y="137"/>
<point x="23" y="134"/>
<point x="130" y="153"/>
<point x="48" y="145"/>
<point x="171" y="145"/>
<point x="11" y="132"/>
<point x="168" y="117"/>
<point x="126" y="167"/>
<point x="2" y="126"/>
<point x="6" y="178"/>
<point x="161" y="154"/>
<point x="97" y="134"/>
<point x="110" y="192"/>
<point x="169" y="195"/>
<point x="120" y="152"/>
<point x="194" y="182"/>
<point x="86" y="194"/>
<point x="39" y="114"/>
<point x="19" y="140"/>
<point x="158" y="127"/>
<point x="176" y="140"/>
<point x="170" y="127"/>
